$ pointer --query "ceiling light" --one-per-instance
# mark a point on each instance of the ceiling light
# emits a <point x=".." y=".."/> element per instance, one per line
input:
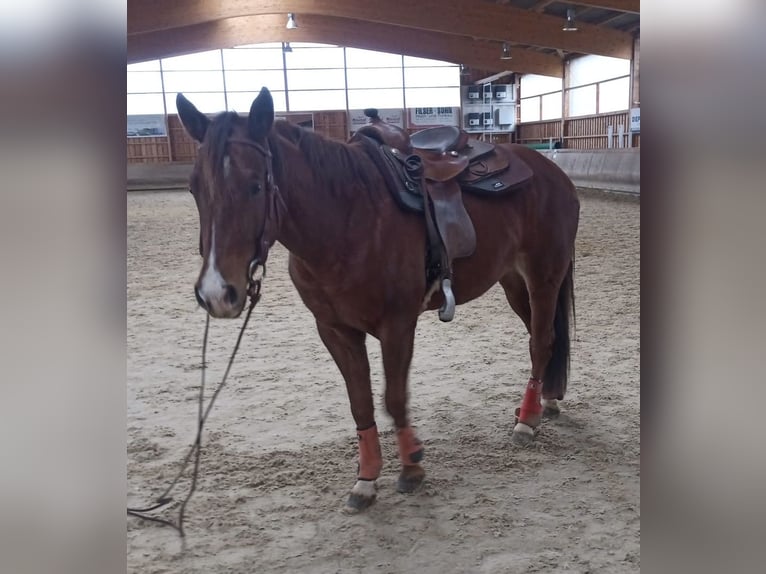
<point x="506" y="55"/>
<point x="286" y="48"/>
<point x="570" y="26"/>
<point x="291" y="25"/>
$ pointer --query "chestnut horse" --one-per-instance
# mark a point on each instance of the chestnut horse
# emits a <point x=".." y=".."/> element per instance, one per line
<point x="358" y="260"/>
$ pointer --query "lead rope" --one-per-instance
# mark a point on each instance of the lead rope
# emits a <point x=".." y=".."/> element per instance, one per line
<point x="254" y="291"/>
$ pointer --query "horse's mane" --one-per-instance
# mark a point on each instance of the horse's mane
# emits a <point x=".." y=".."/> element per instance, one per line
<point x="341" y="168"/>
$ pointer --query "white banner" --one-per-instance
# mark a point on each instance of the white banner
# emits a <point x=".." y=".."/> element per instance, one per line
<point x="434" y="117"/>
<point x="635" y="120"/>
<point x="146" y="126"/>
<point x="357" y="119"/>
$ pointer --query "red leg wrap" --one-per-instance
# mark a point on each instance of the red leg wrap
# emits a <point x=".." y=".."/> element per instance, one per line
<point x="410" y="448"/>
<point x="370" y="458"/>
<point x="531" y="409"/>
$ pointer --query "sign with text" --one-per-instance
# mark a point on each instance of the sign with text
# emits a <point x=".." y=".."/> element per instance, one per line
<point x="421" y="117"/>
<point x="357" y="119"/>
<point x="635" y="120"/>
<point x="146" y="126"/>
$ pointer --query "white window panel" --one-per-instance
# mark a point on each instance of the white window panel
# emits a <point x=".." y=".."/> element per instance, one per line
<point x="613" y="96"/>
<point x="376" y="98"/>
<point x="145" y="104"/>
<point x="312" y="79"/>
<point x="240" y="102"/>
<point x="361" y="78"/>
<point x="207" y="103"/>
<point x="551" y="106"/>
<point x="151" y="66"/>
<point x="530" y="110"/>
<point x="534" y="84"/>
<point x="144" y="82"/>
<point x="311" y="45"/>
<point x="193" y="81"/>
<point x="582" y="101"/>
<point x="592" y="68"/>
<point x="431" y="77"/>
<point x="200" y="61"/>
<point x="248" y="80"/>
<point x="316" y="100"/>
<point x="411" y="61"/>
<point x="432" y="97"/>
<point x="252" y="59"/>
<point x="314" y="58"/>
<point x="357" y="58"/>
<point x="263" y="45"/>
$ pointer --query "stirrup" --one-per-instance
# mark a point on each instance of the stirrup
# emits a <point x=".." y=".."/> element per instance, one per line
<point x="447" y="311"/>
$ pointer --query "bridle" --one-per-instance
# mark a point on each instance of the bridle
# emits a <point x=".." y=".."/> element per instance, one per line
<point x="268" y="233"/>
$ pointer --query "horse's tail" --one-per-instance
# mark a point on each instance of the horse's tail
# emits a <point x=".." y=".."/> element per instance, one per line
<point x="557" y="371"/>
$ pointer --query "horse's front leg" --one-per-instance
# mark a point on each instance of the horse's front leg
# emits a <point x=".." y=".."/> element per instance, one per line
<point x="347" y="347"/>
<point x="396" y="346"/>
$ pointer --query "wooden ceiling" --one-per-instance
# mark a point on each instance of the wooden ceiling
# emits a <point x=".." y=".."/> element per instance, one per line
<point x="468" y="32"/>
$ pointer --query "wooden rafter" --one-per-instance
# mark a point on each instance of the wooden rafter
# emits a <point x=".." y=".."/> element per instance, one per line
<point x="458" y="17"/>
<point x="271" y="28"/>
<point x="629" y="6"/>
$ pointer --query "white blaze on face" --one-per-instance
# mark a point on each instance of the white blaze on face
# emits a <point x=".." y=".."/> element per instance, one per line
<point x="212" y="287"/>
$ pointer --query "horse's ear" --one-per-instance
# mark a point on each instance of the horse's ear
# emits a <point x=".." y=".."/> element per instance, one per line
<point x="194" y="121"/>
<point x="261" y="115"/>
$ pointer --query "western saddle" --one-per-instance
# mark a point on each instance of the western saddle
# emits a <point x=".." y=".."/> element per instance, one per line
<point x="427" y="172"/>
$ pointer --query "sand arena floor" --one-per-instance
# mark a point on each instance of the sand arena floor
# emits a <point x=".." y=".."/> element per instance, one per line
<point x="279" y="449"/>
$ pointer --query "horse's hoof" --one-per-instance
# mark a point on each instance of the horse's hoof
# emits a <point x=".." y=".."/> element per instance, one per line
<point x="551" y="408"/>
<point x="357" y="503"/>
<point x="362" y="496"/>
<point x="410" y="479"/>
<point x="522" y="434"/>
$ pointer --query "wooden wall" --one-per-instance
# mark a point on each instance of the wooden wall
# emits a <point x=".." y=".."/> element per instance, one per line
<point x="585" y="132"/>
<point x="148" y="150"/>
<point x="178" y="146"/>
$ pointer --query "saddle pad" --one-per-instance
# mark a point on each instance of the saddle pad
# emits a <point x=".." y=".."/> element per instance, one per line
<point x="499" y="183"/>
<point x="485" y="167"/>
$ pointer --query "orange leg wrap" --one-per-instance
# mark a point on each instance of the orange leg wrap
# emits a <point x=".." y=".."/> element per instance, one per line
<point x="531" y="408"/>
<point x="410" y="448"/>
<point x="370" y="458"/>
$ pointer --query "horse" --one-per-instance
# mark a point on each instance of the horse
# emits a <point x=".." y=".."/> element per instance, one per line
<point x="357" y="261"/>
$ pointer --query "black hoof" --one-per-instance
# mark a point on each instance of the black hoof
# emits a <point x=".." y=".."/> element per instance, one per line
<point x="358" y="503"/>
<point x="551" y="413"/>
<point x="410" y="480"/>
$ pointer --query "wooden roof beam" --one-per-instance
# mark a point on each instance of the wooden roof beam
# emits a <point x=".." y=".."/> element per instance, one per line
<point x="459" y="17"/>
<point x="628" y="6"/>
<point x="366" y="35"/>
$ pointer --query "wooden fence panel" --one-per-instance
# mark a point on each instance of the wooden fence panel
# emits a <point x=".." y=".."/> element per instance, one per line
<point x="586" y="132"/>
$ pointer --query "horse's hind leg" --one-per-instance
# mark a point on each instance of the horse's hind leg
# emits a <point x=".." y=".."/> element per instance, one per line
<point x="396" y="343"/>
<point x="539" y="315"/>
<point x="518" y="298"/>
<point x="347" y="347"/>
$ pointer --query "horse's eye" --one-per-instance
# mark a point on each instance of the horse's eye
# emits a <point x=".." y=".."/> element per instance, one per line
<point x="256" y="188"/>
